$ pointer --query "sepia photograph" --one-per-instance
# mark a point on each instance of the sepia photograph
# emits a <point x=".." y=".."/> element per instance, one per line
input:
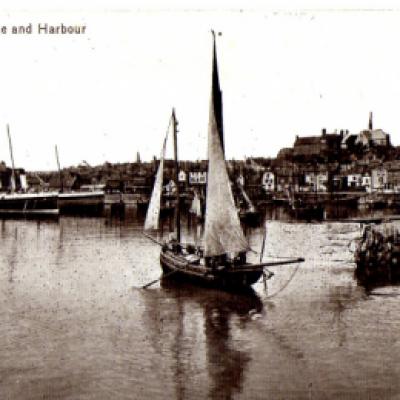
<point x="200" y="200"/>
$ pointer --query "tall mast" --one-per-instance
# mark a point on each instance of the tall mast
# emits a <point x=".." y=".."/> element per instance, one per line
<point x="177" y="203"/>
<point x="59" y="171"/>
<point x="13" y="182"/>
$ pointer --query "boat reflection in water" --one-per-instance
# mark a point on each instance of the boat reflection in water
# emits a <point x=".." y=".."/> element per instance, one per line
<point x="204" y="360"/>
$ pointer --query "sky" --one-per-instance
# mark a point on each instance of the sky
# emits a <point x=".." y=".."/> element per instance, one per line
<point x="286" y="69"/>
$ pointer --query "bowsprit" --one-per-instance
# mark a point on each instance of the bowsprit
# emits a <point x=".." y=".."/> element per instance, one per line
<point x="62" y="29"/>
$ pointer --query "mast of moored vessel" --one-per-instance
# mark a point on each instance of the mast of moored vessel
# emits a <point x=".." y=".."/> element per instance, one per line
<point x="59" y="171"/>
<point x="177" y="202"/>
<point x="13" y="183"/>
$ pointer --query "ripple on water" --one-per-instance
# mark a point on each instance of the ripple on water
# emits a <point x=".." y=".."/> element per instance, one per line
<point x="74" y="323"/>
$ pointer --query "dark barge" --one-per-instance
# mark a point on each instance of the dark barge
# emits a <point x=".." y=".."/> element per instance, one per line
<point x="377" y="256"/>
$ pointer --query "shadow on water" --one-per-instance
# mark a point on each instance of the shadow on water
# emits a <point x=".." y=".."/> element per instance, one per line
<point x="72" y="326"/>
<point x="376" y="288"/>
<point x="197" y="325"/>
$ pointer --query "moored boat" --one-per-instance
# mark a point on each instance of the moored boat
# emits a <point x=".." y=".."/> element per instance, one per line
<point x="308" y="212"/>
<point x="248" y="213"/>
<point x="377" y="255"/>
<point x="85" y="202"/>
<point x="221" y="259"/>
<point x="18" y="202"/>
<point x="43" y="204"/>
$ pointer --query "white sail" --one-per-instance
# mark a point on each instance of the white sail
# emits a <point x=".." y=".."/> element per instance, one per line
<point x="196" y="205"/>
<point x="223" y="233"/>
<point x="153" y="211"/>
<point x="13" y="183"/>
<point x="250" y="204"/>
<point x="24" y="183"/>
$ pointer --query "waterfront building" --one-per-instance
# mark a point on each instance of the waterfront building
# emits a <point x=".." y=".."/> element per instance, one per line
<point x="197" y="177"/>
<point x="287" y="177"/>
<point x="354" y="181"/>
<point x="316" y="181"/>
<point x="393" y="175"/>
<point x="268" y="181"/>
<point x="379" y="179"/>
<point x="366" y="182"/>
<point x="182" y="176"/>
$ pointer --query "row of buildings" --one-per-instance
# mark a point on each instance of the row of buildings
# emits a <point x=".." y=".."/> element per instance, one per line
<point x="335" y="161"/>
<point x="321" y="179"/>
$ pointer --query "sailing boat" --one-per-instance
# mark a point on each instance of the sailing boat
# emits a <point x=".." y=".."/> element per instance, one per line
<point x="248" y="211"/>
<point x="19" y="202"/>
<point x="304" y="211"/>
<point x="221" y="260"/>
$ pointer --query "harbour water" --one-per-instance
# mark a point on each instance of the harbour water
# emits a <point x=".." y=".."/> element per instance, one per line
<point x="75" y="323"/>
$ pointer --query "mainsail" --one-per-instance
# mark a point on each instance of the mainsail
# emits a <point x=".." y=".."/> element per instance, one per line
<point x="217" y="96"/>
<point x="222" y="233"/>
<point x="153" y="212"/>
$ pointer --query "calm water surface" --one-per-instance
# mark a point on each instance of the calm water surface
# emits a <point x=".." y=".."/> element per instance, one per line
<point x="75" y="324"/>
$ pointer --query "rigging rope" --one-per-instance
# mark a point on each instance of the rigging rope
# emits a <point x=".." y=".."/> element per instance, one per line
<point x="271" y="274"/>
<point x="286" y="284"/>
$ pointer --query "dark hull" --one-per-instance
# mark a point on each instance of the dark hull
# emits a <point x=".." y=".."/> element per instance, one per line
<point x="252" y="218"/>
<point x="378" y="269"/>
<point x="240" y="277"/>
<point x="35" y="206"/>
<point x="308" y="213"/>
<point x="166" y="211"/>
<point x="85" y="203"/>
<point x="377" y="256"/>
<point x="377" y="275"/>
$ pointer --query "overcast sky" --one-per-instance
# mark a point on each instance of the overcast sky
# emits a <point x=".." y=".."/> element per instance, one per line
<point x="107" y="94"/>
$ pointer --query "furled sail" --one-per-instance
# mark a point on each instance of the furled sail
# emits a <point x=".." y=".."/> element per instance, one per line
<point x="153" y="211"/>
<point x="222" y="232"/>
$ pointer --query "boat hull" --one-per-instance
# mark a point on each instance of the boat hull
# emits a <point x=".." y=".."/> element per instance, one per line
<point x="252" y="218"/>
<point x="29" y="205"/>
<point x="239" y="277"/>
<point x="308" y="213"/>
<point x="91" y="203"/>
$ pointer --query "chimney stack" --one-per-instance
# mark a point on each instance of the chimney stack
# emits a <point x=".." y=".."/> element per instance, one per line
<point x="370" y="124"/>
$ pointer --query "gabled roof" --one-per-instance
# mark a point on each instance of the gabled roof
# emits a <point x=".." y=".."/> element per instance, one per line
<point x="307" y="140"/>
